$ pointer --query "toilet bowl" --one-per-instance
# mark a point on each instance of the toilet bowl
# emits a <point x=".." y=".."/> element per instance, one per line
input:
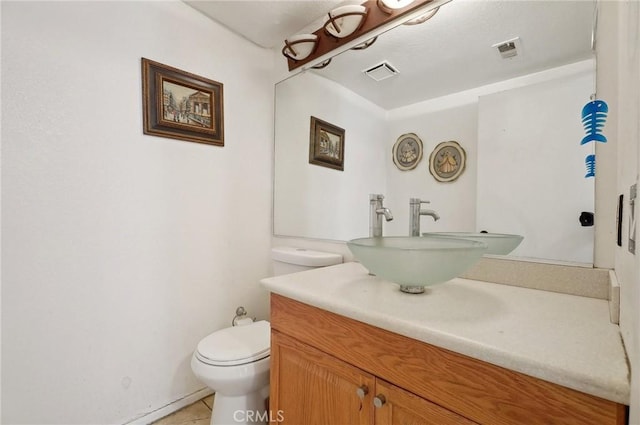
<point x="234" y="362"/>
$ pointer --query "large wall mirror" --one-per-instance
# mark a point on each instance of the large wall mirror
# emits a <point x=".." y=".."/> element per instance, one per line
<point x="518" y="120"/>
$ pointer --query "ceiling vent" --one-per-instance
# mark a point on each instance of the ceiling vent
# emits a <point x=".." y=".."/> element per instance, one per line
<point x="381" y="71"/>
<point x="509" y="48"/>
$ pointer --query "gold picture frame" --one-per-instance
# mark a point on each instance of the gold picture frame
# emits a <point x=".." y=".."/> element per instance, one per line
<point x="447" y="161"/>
<point x="180" y="105"/>
<point x="407" y="151"/>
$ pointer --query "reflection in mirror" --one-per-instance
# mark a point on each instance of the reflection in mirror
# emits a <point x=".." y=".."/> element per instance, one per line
<point x="517" y="119"/>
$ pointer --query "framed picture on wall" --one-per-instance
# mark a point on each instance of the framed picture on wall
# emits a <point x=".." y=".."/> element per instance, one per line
<point x="447" y="161"/>
<point x="326" y="144"/>
<point x="407" y="151"/>
<point x="181" y="105"/>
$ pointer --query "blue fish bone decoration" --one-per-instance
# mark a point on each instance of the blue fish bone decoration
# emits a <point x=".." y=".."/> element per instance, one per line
<point x="590" y="163"/>
<point x="594" y="115"/>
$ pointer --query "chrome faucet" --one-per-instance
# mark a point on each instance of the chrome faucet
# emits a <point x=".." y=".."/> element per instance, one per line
<point x="376" y="211"/>
<point x="415" y="212"/>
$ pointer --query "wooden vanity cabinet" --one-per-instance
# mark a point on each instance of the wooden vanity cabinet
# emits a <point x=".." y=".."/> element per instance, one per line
<point x="402" y="407"/>
<point x="313" y="388"/>
<point x="329" y="369"/>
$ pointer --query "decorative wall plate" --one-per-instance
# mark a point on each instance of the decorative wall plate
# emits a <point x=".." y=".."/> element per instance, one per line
<point x="447" y="161"/>
<point x="407" y="151"/>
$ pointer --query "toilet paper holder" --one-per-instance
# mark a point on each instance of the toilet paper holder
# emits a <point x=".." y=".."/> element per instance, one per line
<point x="241" y="317"/>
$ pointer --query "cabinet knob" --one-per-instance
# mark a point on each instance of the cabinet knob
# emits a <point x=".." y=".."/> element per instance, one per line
<point x="379" y="400"/>
<point x="362" y="391"/>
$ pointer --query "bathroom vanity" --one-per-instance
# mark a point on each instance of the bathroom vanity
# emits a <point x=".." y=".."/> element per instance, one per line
<point x="350" y="348"/>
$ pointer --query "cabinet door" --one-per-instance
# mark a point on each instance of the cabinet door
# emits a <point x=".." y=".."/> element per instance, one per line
<point x="311" y="387"/>
<point x="395" y="406"/>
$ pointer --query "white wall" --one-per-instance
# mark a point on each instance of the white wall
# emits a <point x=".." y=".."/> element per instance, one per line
<point x="618" y="69"/>
<point x="531" y="168"/>
<point x="315" y="201"/>
<point x="121" y="250"/>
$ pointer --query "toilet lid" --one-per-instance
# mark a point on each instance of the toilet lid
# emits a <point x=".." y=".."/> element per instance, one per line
<point x="236" y="345"/>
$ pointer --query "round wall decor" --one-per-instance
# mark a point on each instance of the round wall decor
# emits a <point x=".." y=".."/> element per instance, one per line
<point x="447" y="161"/>
<point x="407" y="151"/>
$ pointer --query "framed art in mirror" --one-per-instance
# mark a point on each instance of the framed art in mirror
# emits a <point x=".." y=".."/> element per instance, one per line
<point x="180" y="105"/>
<point x="407" y="151"/>
<point x="447" y="161"/>
<point x="326" y="144"/>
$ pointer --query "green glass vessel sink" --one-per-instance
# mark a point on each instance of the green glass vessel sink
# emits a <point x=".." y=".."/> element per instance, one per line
<point x="497" y="243"/>
<point x="416" y="262"/>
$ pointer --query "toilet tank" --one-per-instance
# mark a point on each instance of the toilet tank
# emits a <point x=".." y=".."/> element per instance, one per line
<point x="287" y="259"/>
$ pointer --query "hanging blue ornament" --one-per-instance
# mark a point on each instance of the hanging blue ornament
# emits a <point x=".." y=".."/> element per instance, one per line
<point x="594" y="115"/>
<point x="590" y="162"/>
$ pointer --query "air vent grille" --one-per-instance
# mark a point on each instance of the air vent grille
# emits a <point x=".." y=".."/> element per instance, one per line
<point x="509" y="48"/>
<point x="381" y="71"/>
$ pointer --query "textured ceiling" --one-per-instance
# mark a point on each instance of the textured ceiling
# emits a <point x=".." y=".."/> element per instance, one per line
<point x="266" y="23"/>
<point x="449" y="53"/>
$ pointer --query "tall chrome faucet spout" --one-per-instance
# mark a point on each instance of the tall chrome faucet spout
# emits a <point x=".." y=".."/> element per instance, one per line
<point x="415" y="212"/>
<point x="376" y="211"/>
<point x="431" y="213"/>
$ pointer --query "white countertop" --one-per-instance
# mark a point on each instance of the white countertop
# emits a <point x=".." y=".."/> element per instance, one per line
<point x="564" y="339"/>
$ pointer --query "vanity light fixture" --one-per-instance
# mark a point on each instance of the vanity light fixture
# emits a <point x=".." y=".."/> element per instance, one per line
<point x="346" y="24"/>
<point x="366" y="44"/>
<point x="388" y="6"/>
<point x="345" y="20"/>
<point x="300" y="47"/>
<point x="322" y="65"/>
<point x="423" y="18"/>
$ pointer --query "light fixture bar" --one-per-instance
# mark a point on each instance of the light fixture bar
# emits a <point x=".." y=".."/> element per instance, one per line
<point x="300" y="47"/>
<point x="345" y="20"/>
<point x="423" y="18"/>
<point x="376" y="23"/>
<point x="388" y="6"/>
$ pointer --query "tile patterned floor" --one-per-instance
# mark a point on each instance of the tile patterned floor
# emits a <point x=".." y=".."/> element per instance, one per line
<point x="198" y="413"/>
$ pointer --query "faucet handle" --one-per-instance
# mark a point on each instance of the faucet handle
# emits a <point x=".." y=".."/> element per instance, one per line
<point x="376" y="197"/>
<point x="414" y="201"/>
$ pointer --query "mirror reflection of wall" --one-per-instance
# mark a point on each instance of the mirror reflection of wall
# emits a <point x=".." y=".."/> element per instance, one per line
<point x="531" y="169"/>
<point x="318" y="202"/>
<point x="534" y="114"/>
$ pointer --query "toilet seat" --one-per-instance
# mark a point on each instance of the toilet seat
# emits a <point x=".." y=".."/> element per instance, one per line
<point x="237" y="345"/>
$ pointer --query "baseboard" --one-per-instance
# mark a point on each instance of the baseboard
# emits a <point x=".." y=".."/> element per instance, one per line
<point x="170" y="408"/>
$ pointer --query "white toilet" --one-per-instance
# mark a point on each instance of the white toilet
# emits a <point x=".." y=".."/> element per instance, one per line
<point x="234" y="362"/>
